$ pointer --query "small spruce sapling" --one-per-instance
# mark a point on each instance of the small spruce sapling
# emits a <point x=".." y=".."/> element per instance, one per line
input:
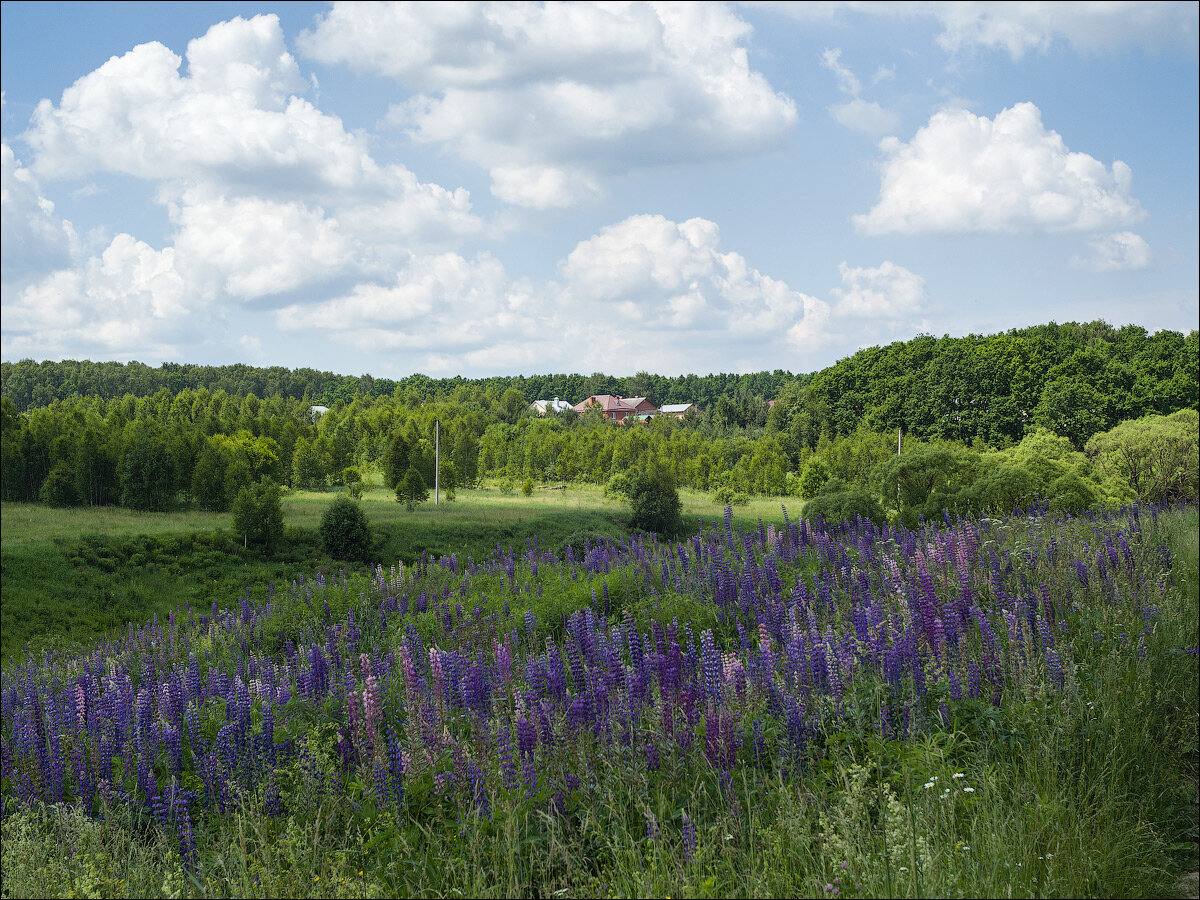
<point x="412" y="489"/>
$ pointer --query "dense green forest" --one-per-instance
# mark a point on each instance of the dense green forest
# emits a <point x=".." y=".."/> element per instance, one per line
<point x="1075" y="380"/>
<point x="1070" y="414"/>
<point x="31" y="384"/>
<point x="1083" y="378"/>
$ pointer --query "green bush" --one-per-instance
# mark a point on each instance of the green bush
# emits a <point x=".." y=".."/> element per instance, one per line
<point x="449" y="480"/>
<point x="59" y="487"/>
<point x="618" y="486"/>
<point x="1156" y="456"/>
<point x="147" y="471"/>
<point x="727" y="496"/>
<point x="1002" y="490"/>
<point x="344" y="531"/>
<point x="209" y="488"/>
<point x="527" y="487"/>
<point x="412" y="489"/>
<point x="843" y="504"/>
<point x="654" y="502"/>
<point x="813" y="479"/>
<point x="258" y="514"/>
<point x="1071" y="494"/>
<point x="353" y="482"/>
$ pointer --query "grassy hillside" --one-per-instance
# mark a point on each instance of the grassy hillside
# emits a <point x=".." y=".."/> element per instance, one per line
<point x="1003" y="708"/>
<point x="72" y="574"/>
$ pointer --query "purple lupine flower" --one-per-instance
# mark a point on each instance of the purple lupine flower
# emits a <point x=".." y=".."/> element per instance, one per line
<point x="504" y="663"/>
<point x="171" y="740"/>
<point x="652" y="830"/>
<point x="161" y="812"/>
<point x="526" y="736"/>
<point x="760" y="750"/>
<point x="183" y="825"/>
<point x="529" y="771"/>
<point x="508" y="768"/>
<point x="1082" y="572"/>
<point x="383" y="788"/>
<point x="479" y="791"/>
<point x="689" y="839"/>
<point x="652" y="758"/>
<point x="1054" y="670"/>
<point x="712" y="667"/>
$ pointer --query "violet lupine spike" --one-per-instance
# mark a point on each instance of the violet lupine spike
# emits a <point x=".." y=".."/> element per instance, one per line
<point x="689" y="839"/>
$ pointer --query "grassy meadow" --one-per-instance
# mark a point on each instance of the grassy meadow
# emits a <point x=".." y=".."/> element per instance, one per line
<point x="1002" y="708"/>
<point x="71" y="574"/>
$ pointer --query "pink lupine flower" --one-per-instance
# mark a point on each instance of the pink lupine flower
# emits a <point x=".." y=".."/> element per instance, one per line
<point x="81" y="705"/>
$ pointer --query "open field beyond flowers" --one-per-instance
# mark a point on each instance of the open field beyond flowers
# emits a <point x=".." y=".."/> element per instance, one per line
<point x="72" y="574"/>
<point x="995" y="708"/>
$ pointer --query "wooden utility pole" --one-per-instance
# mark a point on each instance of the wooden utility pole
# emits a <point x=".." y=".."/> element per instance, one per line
<point x="437" y="460"/>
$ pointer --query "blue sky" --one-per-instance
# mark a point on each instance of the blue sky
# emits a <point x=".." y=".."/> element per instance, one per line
<point x="484" y="189"/>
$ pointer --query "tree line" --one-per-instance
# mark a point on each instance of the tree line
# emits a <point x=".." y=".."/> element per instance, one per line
<point x="1152" y="458"/>
<point x="1074" y="379"/>
<point x="947" y="397"/>
<point x="31" y="384"/>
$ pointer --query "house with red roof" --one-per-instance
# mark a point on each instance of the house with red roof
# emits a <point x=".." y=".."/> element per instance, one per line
<point x="616" y="409"/>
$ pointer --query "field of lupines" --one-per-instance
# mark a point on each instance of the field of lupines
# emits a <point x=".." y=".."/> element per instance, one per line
<point x="1004" y="707"/>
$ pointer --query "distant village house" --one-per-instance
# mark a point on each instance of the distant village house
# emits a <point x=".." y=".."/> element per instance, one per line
<point x="615" y="409"/>
<point x="677" y="410"/>
<point x="544" y="407"/>
<point x="624" y="410"/>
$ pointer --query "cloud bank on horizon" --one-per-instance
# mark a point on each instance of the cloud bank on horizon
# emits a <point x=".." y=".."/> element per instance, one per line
<point x="494" y="188"/>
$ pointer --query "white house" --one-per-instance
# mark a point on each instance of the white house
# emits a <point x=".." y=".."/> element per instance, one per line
<point x="677" y="410"/>
<point x="542" y="407"/>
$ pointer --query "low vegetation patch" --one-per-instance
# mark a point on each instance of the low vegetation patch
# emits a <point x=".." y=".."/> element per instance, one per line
<point x="1001" y="707"/>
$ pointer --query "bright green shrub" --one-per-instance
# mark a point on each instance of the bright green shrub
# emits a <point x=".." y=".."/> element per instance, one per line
<point x="59" y="487"/>
<point x="344" y="531"/>
<point x="258" y="514"/>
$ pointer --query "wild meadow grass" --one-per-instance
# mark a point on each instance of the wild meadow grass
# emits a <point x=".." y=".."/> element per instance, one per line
<point x="72" y="574"/>
<point x="1002" y="708"/>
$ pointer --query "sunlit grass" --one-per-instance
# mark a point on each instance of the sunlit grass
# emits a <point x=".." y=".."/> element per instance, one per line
<point x="1078" y="792"/>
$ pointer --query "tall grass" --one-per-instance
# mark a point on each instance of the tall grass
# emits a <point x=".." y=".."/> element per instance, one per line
<point x="1041" y="783"/>
<point x="73" y="574"/>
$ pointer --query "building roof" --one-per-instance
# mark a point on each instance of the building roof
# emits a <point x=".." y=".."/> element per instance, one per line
<point x="607" y="403"/>
<point x="554" y="405"/>
<point x="677" y="407"/>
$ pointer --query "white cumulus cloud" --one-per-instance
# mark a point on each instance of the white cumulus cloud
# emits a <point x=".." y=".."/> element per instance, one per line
<point x="36" y="241"/>
<point x="250" y="247"/>
<point x="1115" y="252"/>
<point x="268" y="194"/>
<point x="857" y="114"/>
<point x="129" y="300"/>
<point x="1020" y="27"/>
<point x="644" y="292"/>
<point x="887" y="291"/>
<point x="670" y="275"/>
<point x="235" y="120"/>
<point x="550" y="98"/>
<point x="435" y="301"/>
<point x="967" y="173"/>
